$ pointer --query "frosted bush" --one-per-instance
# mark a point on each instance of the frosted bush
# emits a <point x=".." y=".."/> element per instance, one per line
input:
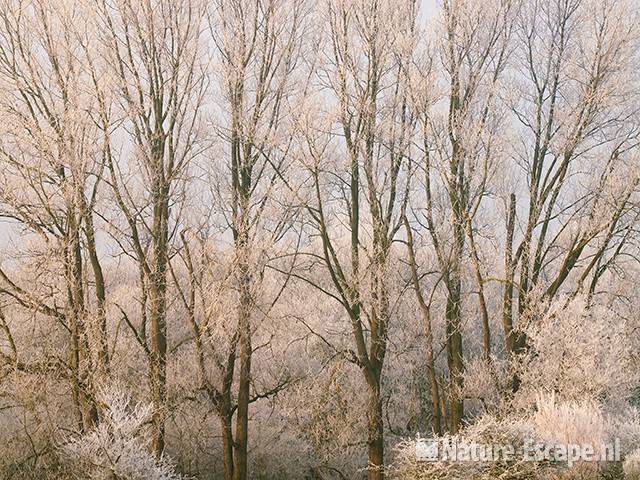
<point x="570" y="422"/>
<point x="631" y="466"/>
<point x="487" y="382"/>
<point x="579" y="352"/>
<point x="408" y="468"/>
<point x="118" y="446"/>
<point x="488" y="430"/>
<point x="550" y="421"/>
<point x="626" y="427"/>
<point x="320" y="409"/>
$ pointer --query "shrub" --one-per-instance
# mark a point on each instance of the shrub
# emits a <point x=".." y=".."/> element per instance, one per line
<point x="118" y="447"/>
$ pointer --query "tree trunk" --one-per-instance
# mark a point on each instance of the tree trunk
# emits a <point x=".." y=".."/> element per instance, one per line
<point x="242" y="414"/>
<point x="244" y="328"/>
<point x="158" y="367"/>
<point x="81" y="357"/>
<point x="98" y="277"/>
<point x="157" y="317"/>
<point x="227" y="442"/>
<point x="375" y="440"/>
<point x="426" y="316"/>
<point x="454" y="354"/>
<point x="507" y="301"/>
<point x="484" y="312"/>
<point x="454" y="326"/>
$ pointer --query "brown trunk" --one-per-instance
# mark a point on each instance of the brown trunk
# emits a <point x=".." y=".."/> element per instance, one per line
<point x="74" y="352"/>
<point x="157" y="317"/>
<point x="454" y="327"/>
<point x="98" y="277"/>
<point x="457" y="192"/>
<point x="445" y="424"/>
<point x="81" y="359"/>
<point x="375" y="440"/>
<point x="513" y="341"/>
<point x="158" y="367"/>
<point x="426" y="316"/>
<point x="244" y="329"/>
<point x="507" y="301"/>
<point x="226" y="412"/>
<point x="484" y="313"/>
<point x="227" y="442"/>
<point x="242" y="413"/>
<point x="454" y="355"/>
<point x="435" y="401"/>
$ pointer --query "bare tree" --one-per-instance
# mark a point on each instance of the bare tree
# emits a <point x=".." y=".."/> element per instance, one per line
<point x="51" y="171"/>
<point x="459" y="146"/>
<point x="259" y="46"/>
<point x="577" y="133"/>
<point x="256" y="59"/>
<point x="157" y="73"/>
<point x="370" y="132"/>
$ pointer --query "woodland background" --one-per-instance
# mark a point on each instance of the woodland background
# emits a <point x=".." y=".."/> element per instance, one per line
<point x="276" y="239"/>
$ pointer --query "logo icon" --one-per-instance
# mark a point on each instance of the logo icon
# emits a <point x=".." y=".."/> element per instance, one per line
<point x="426" y="449"/>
